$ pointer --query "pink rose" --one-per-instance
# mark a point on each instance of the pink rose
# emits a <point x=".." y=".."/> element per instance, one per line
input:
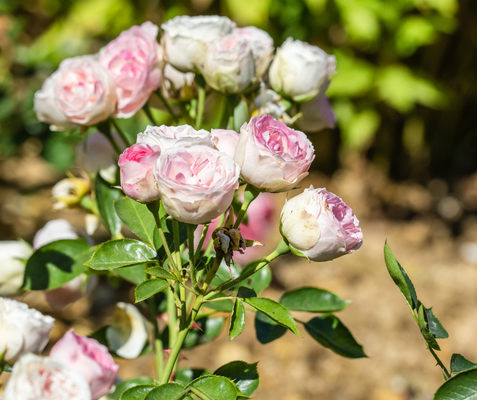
<point x="133" y="59"/>
<point x="88" y="357"/>
<point x="317" y="115"/>
<point x="136" y="170"/>
<point x="272" y="156"/>
<point x="196" y="183"/>
<point x="261" y="44"/>
<point x="225" y="140"/>
<point x="42" y="378"/>
<point x="168" y="136"/>
<point x="320" y="225"/>
<point x="83" y="92"/>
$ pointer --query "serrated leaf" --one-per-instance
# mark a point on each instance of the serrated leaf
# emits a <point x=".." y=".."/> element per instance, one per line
<point x="237" y="319"/>
<point x="428" y="337"/>
<point x="330" y="332"/>
<point x="275" y="311"/>
<point x="266" y="329"/>
<point x="244" y="375"/>
<point x="312" y="299"/>
<point x="211" y="328"/>
<point x="168" y="391"/>
<point x="121" y="253"/>
<point x="56" y="263"/>
<point x="434" y="325"/>
<point x="149" y="288"/>
<point x="105" y="197"/>
<point x="135" y="274"/>
<point x="245" y="292"/>
<point x="161" y="273"/>
<point x="138" y="392"/>
<point x="459" y="387"/>
<point x="139" y="220"/>
<point x="459" y="364"/>
<point x="215" y="387"/>
<point x="124" y="385"/>
<point x="400" y="277"/>
<point x="186" y="375"/>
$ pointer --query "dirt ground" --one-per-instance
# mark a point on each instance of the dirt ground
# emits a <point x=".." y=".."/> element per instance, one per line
<point x="413" y="220"/>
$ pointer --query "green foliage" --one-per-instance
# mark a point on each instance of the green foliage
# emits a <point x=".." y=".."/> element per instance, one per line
<point x="105" y="197"/>
<point x="215" y="387"/>
<point x="237" y="319"/>
<point x="124" y="385"/>
<point x="168" y="391"/>
<point x="312" y="299"/>
<point x="186" y="375"/>
<point x="149" y="288"/>
<point x="460" y="386"/>
<point x="423" y="326"/>
<point x="210" y="328"/>
<point x="56" y="263"/>
<point x="459" y="364"/>
<point x="258" y="281"/>
<point x="135" y="274"/>
<point x="224" y="305"/>
<point x="266" y="329"/>
<point x="138" y="392"/>
<point x="244" y="375"/>
<point x="161" y="273"/>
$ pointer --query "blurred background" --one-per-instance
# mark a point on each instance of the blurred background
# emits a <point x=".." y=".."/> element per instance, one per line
<point x="403" y="156"/>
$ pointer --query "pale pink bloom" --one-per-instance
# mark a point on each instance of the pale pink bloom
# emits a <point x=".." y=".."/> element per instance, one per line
<point x="22" y="329"/>
<point x="261" y="44"/>
<point x="82" y="91"/>
<point x="56" y="229"/>
<point x="317" y="115"/>
<point x="186" y="38"/>
<point x="168" y="136"/>
<point x="320" y="225"/>
<point x="301" y="71"/>
<point x="42" y="378"/>
<point x="229" y="66"/>
<point x="272" y="156"/>
<point x="136" y="170"/>
<point x="134" y="60"/>
<point x="196" y="183"/>
<point x="225" y="140"/>
<point x="88" y="357"/>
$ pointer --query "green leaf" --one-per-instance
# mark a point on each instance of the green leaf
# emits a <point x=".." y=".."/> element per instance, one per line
<point x="312" y="299"/>
<point x="105" y="196"/>
<point x="186" y="375"/>
<point x="224" y="305"/>
<point x="211" y="328"/>
<point x="459" y="364"/>
<point x="330" y="332"/>
<point x="215" y="387"/>
<point x="400" y="277"/>
<point x="237" y="319"/>
<point x="421" y="319"/>
<point x="434" y="325"/>
<point x="5" y="368"/>
<point x="266" y="329"/>
<point x="161" y="273"/>
<point x="135" y="274"/>
<point x="121" y="253"/>
<point x="56" y="263"/>
<point x="459" y="387"/>
<point x="139" y="220"/>
<point x="149" y="288"/>
<point x="245" y="292"/>
<point x="138" y="392"/>
<point x="124" y="385"/>
<point x="168" y="391"/>
<point x="244" y="375"/>
<point x="258" y="281"/>
<point x="275" y="311"/>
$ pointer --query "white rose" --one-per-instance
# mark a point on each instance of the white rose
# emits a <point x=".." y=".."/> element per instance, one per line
<point x="261" y="44"/>
<point x="169" y="136"/>
<point x="56" y="229"/>
<point x="185" y="39"/>
<point x="301" y="71"/>
<point x="22" y="329"/>
<point x="178" y="85"/>
<point x="42" y="378"/>
<point x="12" y="267"/>
<point x="229" y="66"/>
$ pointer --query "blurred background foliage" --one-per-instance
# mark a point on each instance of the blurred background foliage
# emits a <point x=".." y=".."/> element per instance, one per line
<point x="404" y="94"/>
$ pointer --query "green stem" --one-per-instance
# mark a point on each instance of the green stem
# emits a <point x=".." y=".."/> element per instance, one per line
<point x="171" y="313"/>
<point x="177" y="246"/>
<point x="436" y="357"/>
<point x="211" y="273"/>
<point x="208" y="250"/>
<point x="201" y="242"/>
<point x="185" y="114"/>
<point x="157" y="345"/>
<point x="112" y="142"/>
<point x="250" y="194"/>
<point x="121" y="133"/>
<point x="190" y="232"/>
<point x="199" y="79"/>
<point x="147" y="110"/>
<point x="199" y="393"/>
<point x="167" y="105"/>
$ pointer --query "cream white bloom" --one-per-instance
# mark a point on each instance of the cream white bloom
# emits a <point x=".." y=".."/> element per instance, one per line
<point x="128" y="331"/>
<point x="22" y="329"/>
<point x="186" y="38"/>
<point x="42" y="378"/>
<point x="317" y="114"/>
<point x="178" y="85"/>
<point x="301" y="71"/>
<point x="12" y="266"/>
<point x="168" y="136"/>
<point x="229" y="66"/>
<point x="56" y="229"/>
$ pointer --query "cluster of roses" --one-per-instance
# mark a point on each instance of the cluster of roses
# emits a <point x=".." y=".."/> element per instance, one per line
<point x="195" y="175"/>
<point x="118" y="81"/>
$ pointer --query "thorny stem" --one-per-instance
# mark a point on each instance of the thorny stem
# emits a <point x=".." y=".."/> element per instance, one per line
<point x="190" y="232"/>
<point x="250" y="195"/>
<point x="158" y="356"/>
<point x="147" y="110"/>
<point x="121" y="133"/>
<point x="167" y="105"/>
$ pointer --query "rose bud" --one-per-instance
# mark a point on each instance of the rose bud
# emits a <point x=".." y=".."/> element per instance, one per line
<point x="128" y="331"/>
<point x="229" y="66"/>
<point x="68" y="192"/>
<point x="42" y="378"/>
<point x="22" y="330"/>
<point x="178" y="85"/>
<point x="88" y="357"/>
<point x="196" y="183"/>
<point x="269" y="102"/>
<point x="137" y="179"/>
<point x="134" y="61"/>
<point x="83" y="91"/>
<point x="272" y="156"/>
<point x="167" y="136"/>
<point x="185" y="39"/>
<point x="320" y="226"/>
<point x="317" y="115"/>
<point x="261" y="44"/>
<point x="301" y="71"/>
<point x="12" y="256"/>
<point x="225" y="140"/>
